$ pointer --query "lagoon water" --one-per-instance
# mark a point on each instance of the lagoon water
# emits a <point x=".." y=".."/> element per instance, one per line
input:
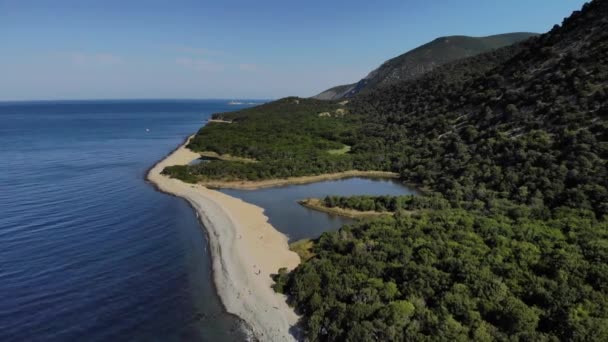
<point x="298" y="222"/>
<point x="89" y="251"/>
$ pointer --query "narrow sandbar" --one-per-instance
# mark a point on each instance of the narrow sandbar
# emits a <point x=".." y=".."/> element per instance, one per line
<point x="253" y="185"/>
<point x="245" y="250"/>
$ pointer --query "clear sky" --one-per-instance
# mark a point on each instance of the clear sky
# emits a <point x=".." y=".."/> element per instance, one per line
<point x="82" y="49"/>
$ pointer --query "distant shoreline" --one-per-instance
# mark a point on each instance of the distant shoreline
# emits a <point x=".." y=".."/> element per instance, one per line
<point x="245" y="251"/>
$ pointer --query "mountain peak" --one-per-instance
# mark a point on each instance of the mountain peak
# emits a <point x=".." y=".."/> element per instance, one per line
<point x="423" y="59"/>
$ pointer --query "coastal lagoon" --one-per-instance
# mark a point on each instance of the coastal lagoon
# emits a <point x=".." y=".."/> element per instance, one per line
<point x="298" y="222"/>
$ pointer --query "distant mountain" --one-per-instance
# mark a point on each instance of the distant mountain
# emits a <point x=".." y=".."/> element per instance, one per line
<point x="423" y="59"/>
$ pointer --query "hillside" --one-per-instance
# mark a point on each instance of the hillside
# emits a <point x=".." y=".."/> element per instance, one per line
<point x="535" y="121"/>
<point x="512" y="146"/>
<point x="421" y="60"/>
<point x="520" y="151"/>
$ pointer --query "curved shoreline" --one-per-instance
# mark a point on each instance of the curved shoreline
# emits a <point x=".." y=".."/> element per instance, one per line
<point x="245" y="251"/>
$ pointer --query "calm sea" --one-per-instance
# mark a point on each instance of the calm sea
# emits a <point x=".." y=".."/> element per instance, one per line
<point x="88" y="250"/>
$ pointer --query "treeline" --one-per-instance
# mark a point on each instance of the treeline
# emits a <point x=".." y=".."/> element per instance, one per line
<point x="386" y="203"/>
<point x="456" y="275"/>
<point x="298" y="165"/>
<point x="436" y="201"/>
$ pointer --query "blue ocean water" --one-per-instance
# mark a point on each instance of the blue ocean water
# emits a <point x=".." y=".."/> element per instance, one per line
<point x="88" y="250"/>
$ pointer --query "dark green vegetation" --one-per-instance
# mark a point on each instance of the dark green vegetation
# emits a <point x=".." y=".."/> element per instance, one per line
<point x="457" y="275"/>
<point x="526" y="123"/>
<point x="516" y="248"/>
<point x="421" y="60"/>
<point x="289" y="137"/>
<point x="387" y="203"/>
<point x="513" y="142"/>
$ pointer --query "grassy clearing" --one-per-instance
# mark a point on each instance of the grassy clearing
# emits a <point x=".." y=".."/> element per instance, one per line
<point x="340" y="151"/>
<point x="226" y="157"/>
<point x="303" y="248"/>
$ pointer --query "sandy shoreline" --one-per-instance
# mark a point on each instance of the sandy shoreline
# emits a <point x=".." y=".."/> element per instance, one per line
<point x="245" y="250"/>
<point x="253" y="185"/>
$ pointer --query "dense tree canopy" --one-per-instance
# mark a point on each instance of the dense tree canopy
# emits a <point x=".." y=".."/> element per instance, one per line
<point x="526" y="123"/>
<point x="511" y="246"/>
<point x="387" y="203"/>
<point x="457" y="275"/>
<point x="288" y="137"/>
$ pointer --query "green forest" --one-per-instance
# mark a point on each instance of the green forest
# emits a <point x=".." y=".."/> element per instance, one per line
<point x="289" y="137"/>
<point x="509" y="243"/>
<point x="457" y="275"/>
<point x="390" y="203"/>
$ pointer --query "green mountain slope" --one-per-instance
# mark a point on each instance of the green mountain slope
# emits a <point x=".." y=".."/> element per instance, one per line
<point x="532" y="121"/>
<point x="511" y="240"/>
<point x="423" y="59"/>
<point x="521" y="144"/>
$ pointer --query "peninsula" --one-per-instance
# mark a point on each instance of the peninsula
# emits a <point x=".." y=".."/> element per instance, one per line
<point x="245" y="250"/>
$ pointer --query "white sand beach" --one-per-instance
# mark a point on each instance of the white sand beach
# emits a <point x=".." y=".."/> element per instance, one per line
<point x="245" y="249"/>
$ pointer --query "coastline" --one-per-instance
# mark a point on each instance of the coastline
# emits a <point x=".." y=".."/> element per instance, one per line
<point x="254" y="185"/>
<point x="245" y="251"/>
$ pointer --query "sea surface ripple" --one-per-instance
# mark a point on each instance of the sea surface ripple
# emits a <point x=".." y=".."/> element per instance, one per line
<point x="88" y="250"/>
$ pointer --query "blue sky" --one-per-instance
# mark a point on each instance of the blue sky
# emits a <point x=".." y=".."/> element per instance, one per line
<point x="82" y="49"/>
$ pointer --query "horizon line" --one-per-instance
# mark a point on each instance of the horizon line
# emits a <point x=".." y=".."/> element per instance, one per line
<point x="141" y="99"/>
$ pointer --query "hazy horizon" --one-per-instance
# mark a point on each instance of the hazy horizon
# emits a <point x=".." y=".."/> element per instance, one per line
<point x="234" y="50"/>
<point x="150" y="99"/>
